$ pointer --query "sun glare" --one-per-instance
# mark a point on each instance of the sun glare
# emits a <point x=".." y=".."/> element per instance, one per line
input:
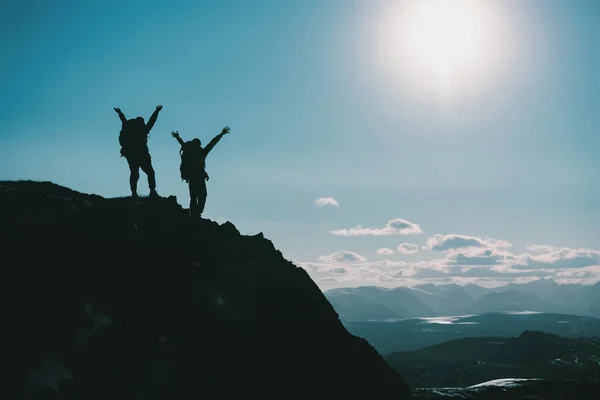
<point x="446" y="36"/>
<point x="445" y="42"/>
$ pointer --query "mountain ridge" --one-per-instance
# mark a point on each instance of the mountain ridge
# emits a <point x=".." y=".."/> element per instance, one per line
<point x="135" y="299"/>
<point x="450" y="299"/>
<point x="469" y="361"/>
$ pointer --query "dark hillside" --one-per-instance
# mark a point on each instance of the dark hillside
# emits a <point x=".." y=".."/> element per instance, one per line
<point x="134" y="300"/>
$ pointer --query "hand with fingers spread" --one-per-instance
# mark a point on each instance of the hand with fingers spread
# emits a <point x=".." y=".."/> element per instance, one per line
<point x="225" y="130"/>
<point x="175" y="134"/>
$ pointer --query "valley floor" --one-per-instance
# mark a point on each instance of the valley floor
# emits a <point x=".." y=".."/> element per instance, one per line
<point x="515" y="389"/>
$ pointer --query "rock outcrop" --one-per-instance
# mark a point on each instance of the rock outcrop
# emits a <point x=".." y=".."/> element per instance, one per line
<point x="115" y="298"/>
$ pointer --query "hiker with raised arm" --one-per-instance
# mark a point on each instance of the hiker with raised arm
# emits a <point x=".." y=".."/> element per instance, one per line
<point x="193" y="168"/>
<point x="134" y="147"/>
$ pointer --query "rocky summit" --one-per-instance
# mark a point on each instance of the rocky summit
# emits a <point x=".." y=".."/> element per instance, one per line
<point x="121" y="298"/>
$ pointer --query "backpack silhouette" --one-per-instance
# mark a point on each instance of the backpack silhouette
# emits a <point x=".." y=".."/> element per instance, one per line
<point x="132" y="135"/>
<point x="192" y="155"/>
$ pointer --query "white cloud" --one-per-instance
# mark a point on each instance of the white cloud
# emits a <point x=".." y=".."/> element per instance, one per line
<point x="385" y="251"/>
<point x="580" y="273"/>
<point x="534" y="248"/>
<point x="327" y="279"/>
<point x="343" y="257"/>
<point x="476" y="257"/>
<point x="482" y="265"/>
<point x="324" y="201"/>
<point x="486" y="271"/>
<point x="389" y="264"/>
<point x="559" y="258"/>
<point x="396" y="226"/>
<point x="389" y="277"/>
<point x="452" y="242"/>
<point x="407" y="248"/>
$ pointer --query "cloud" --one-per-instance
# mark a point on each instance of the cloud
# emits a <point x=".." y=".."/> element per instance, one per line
<point x="534" y="248"/>
<point x="499" y="272"/>
<point x="387" y="277"/>
<point x="475" y="257"/>
<point x="385" y="251"/>
<point x="494" y="263"/>
<point x="587" y="275"/>
<point x="476" y="264"/>
<point x="452" y="242"/>
<point x="396" y="226"/>
<point x="407" y="248"/>
<point x="457" y="271"/>
<point x="322" y="269"/>
<point x="327" y="279"/>
<point x="343" y="257"/>
<point x="559" y="258"/>
<point x="580" y="273"/>
<point x="338" y="270"/>
<point x="325" y="201"/>
<point x="308" y="267"/>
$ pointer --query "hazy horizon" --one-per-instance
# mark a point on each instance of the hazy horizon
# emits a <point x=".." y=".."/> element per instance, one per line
<point x="484" y="284"/>
<point x="380" y="143"/>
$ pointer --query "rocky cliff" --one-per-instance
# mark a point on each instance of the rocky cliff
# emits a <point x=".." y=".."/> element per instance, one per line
<point x="111" y="298"/>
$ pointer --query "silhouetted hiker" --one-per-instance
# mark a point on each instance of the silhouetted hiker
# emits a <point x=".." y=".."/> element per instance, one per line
<point x="134" y="147"/>
<point x="193" y="168"/>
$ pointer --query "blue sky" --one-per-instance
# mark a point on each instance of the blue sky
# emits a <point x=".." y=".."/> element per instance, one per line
<point x="316" y="111"/>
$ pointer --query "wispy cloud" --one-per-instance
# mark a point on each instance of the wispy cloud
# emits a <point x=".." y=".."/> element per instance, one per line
<point x="452" y="242"/>
<point x="396" y="226"/>
<point x="327" y="201"/>
<point x="407" y="248"/>
<point x="343" y="256"/>
<point x="559" y="258"/>
<point x="385" y="251"/>
<point x="536" y="248"/>
<point x="477" y="257"/>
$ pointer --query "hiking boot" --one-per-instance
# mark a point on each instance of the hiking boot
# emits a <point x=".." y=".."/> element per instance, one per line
<point x="134" y="195"/>
<point x="154" y="194"/>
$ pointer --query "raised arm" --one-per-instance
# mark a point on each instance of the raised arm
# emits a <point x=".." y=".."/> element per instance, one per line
<point x="215" y="140"/>
<point x="153" y="117"/>
<point x="121" y="115"/>
<point x="175" y="134"/>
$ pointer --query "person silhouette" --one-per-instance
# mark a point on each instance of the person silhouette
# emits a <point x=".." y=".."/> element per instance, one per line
<point x="134" y="147"/>
<point x="193" y="168"/>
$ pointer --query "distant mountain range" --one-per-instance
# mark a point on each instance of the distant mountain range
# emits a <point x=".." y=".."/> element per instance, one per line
<point x="543" y="295"/>
<point x="469" y="361"/>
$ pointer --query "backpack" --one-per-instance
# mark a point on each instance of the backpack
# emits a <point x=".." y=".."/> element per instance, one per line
<point x="191" y="161"/>
<point x="132" y="135"/>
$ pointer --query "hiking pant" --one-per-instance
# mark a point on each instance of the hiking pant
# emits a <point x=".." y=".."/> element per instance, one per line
<point x="141" y="160"/>
<point x="197" y="196"/>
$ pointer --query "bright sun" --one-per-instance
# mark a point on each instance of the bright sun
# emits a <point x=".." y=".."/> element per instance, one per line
<point x="441" y="41"/>
<point x="446" y="36"/>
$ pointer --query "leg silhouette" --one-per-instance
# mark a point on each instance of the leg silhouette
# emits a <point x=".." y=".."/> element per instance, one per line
<point x="134" y="176"/>
<point x="193" y="198"/>
<point x="201" y="196"/>
<point x="197" y="196"/>
<point x="144" y="162"/>
<point x="149" y="170"/>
